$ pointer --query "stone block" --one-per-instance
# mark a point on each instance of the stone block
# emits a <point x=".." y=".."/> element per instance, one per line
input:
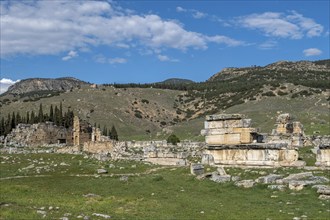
<point x="220" y="179"/>
<point x="223" y="124"/>
<point x="101" y="171"/>
<point x="207" y="159"/>
<point x="245" y="183"/>
<point x="223" y="139"/>
<point x="224" y="117"/>
<point x="196" y="169"/>
<point x="323" y="157"/>
<point x="269" y="178"/>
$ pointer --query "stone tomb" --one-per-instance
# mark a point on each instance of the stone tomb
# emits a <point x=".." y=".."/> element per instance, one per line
<point x="323" y="156"/>
<point x="231" y="141"/>
<point x="228" y="129"/>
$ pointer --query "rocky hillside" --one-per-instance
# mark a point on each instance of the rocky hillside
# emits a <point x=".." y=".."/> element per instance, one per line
<point x="176" y="81"/>
<point x="148" y="111"/>
<point x="301" y="67"/>
<point x="44" y="84"/>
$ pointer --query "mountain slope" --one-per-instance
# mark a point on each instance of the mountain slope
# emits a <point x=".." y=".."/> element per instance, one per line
<point x="44" y="84"/>
<point x="151" y="112"/>
<point x="176" y="81"/>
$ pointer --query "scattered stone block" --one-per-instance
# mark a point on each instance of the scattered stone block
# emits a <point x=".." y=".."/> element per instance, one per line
<point x="220" y="178"/>
<point x="269" y="178"/>
<point x="196" y="169"/>
<point x="221" y="171"/>
<point x="277" y="187"/>
<point x="101" y="171"/>
<point x="296" y="186"/>
<point x="102" y="215"/>
<point x="245" y="183"/>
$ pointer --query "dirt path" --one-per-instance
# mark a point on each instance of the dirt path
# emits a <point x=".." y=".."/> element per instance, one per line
<point x="93" y="175"/>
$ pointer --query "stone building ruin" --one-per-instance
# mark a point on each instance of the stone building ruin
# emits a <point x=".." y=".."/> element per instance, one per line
<point x="38" y="135"/>
<point x="231" y="140"/>
<point x="47" y="133"/>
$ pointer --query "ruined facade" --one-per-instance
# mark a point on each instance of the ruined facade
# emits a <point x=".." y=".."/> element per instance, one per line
<point x="231" y="140"/>
<point x="38" y="135"/>
<point x="288" y="131"/>
<point x="323" y="156"/>
<point x="48" y="133"/>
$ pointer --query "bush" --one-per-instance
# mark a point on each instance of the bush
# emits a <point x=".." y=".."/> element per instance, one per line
<point x="173" y="139"/>
<point x="281" y="93"/>
<point x="145" y="101"/>
<point x="269" y="93"/>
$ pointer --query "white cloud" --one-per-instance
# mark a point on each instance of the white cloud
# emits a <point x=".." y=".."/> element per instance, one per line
<point x="198" y="15"/>
<point x="194" y="13"/>
<point x="165" y="58"/>
<point x="117" y="60"/>
<point x="53" y="27"/>
<point x="312" y="52"/>
<point x="224" y="40"/>
<point x="70" y="55"/>
<point x="100" y="58"/>
<point x="294" y="25"/>
<point x="180" y="9"/>
<point x="270" y="44"/>
<point x="5" y="84"/>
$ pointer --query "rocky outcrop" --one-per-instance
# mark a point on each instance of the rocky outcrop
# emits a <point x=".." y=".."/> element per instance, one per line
<point x="44" y="84"/>
<point x="281" y="66"/>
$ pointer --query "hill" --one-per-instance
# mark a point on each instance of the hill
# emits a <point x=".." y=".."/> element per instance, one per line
<point x="176" y="81"/>
<point x="45" y="84"/>
<point x="153" y="111"/>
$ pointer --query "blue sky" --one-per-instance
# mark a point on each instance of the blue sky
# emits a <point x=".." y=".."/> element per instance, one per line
<point x="150" y="41"/>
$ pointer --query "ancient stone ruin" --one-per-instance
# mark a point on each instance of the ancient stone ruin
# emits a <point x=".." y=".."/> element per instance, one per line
<point x="47" y="133"/>
<point x="288" y="131"/>
<point x="38" y="135"/>
<point x="231" y="140"/>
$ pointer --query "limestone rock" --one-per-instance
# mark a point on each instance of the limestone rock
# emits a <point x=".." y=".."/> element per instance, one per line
<point x="269" y="178"/>
<point x="277" y="187"/>
<point x="221" y="171"/>
<point x="245" y="183"/>
<point x="196" y="169"/>
<point x="101" y="171"/>
<point x="220" y="178"/>
<point x="296" y="176"/>
<point x="296" y="186"/>
<point x="102" y="215"/>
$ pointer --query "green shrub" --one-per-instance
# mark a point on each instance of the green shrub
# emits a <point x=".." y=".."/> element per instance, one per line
<point x="269" y="93"/>
<point x="145" y="101"/>
<point x="173" y="139"/>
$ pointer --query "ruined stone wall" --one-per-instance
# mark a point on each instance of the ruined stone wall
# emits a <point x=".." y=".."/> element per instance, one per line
<point x="98" y="147"/>
<point x="254" y="157"/>
<point x="37" y="134"/>
<point x="323" y="156"/>
<point x="227" y="129"/>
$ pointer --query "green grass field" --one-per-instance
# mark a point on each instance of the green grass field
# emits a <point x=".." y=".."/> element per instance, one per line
<point x="57" y="186"/>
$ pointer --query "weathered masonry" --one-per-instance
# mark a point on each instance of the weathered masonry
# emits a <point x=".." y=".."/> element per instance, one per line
<point x="231" y="140"/>
<point x="38" y="135"/>
<point x="47" y="133"/>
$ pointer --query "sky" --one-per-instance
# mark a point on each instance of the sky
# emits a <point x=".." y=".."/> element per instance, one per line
<point x="150" y="41"/>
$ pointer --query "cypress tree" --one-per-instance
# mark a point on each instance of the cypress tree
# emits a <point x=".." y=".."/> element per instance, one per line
<point x="13" y="121"/>
<point x="114" y="135"/>
<point x="18" y="118"/>
<point x="27" y="117"/>
<point x="40" y="114"/>
<point x="61" y="115"/>
<point x="56" y="116"/>
<point x="33" y="118"/>
<point x="2" y="126"/>
<point x="51" y="113"/>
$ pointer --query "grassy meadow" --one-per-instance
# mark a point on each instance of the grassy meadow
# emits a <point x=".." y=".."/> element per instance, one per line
<point x="53" y="186"/>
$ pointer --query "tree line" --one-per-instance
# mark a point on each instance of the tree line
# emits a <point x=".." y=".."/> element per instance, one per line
<point x="55" y="115"/>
